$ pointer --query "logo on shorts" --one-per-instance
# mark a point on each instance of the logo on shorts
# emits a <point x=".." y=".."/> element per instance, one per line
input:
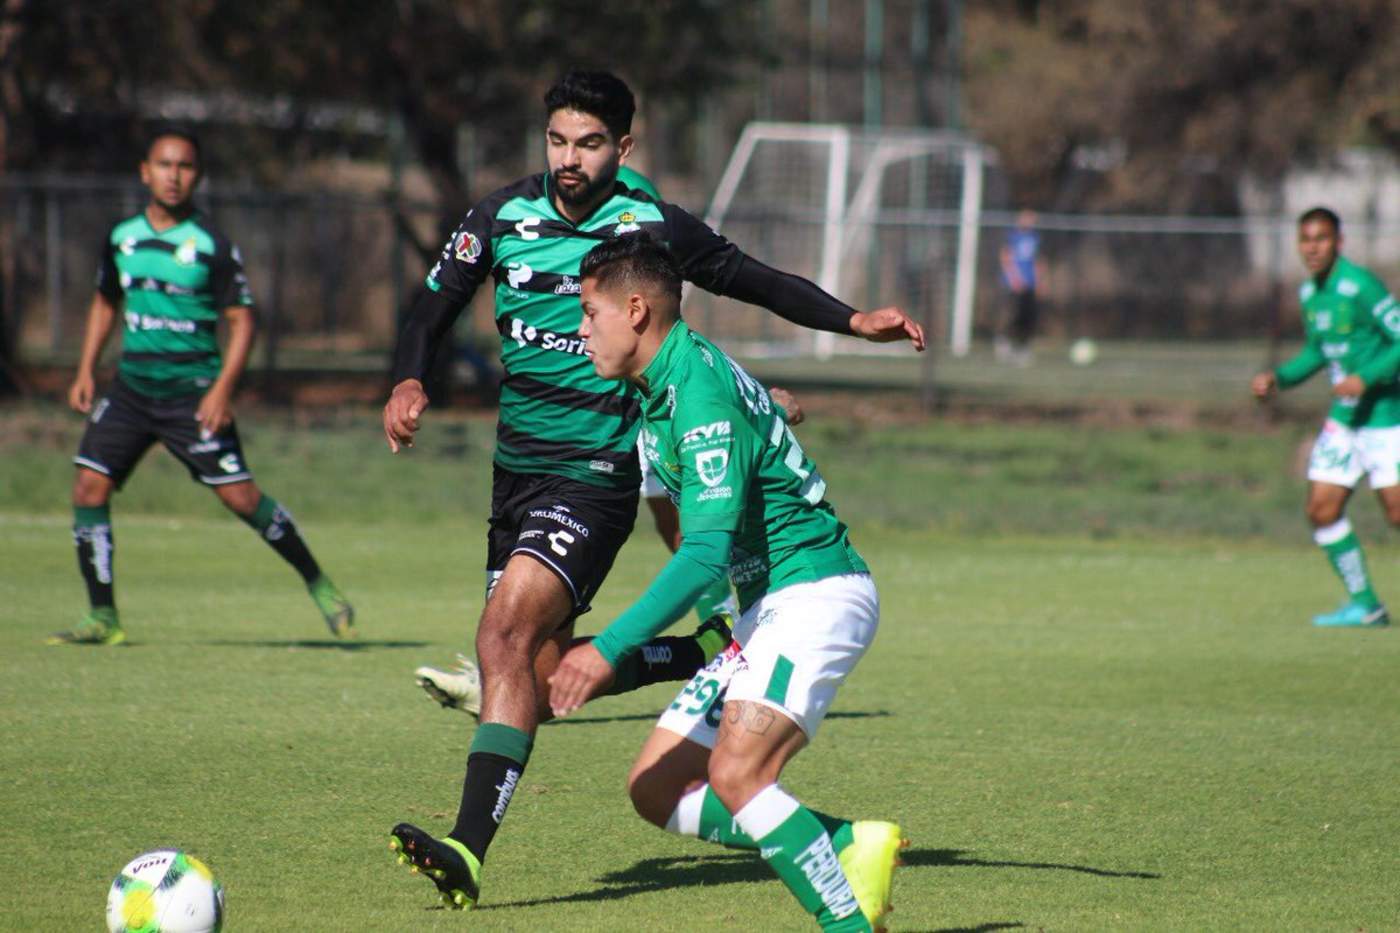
<point x="712" y="465"/>
<point x="229" y="463"/>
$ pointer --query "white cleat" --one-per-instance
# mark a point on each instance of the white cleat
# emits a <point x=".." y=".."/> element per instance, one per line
<point x="455" y="689"/>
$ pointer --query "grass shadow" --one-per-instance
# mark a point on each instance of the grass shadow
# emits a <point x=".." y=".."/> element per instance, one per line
<point x="956" y="858"/>
<point x="658" y="874"/>
<point x="651" y="717"/>
<point x="322" y="644"/>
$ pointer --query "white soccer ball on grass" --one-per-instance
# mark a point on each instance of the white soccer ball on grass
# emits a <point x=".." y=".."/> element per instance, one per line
<point x="165" y="891"/>
<point x="1083" y="352"/>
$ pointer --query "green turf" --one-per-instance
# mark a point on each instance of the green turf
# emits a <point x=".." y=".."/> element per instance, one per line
<point x="1095" y="702"/>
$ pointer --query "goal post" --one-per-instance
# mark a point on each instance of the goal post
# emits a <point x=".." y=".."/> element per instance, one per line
<point x="875" y="217"/>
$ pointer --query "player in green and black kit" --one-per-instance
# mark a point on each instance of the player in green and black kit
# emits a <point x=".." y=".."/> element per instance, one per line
<point x="1352" y="327"/>
<point x="753" y="507"/>
<point x="169" y="275"/>
<point x="566" y="470"/>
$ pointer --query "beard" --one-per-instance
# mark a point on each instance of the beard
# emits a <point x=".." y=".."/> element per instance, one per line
<point x="588" y="190"/>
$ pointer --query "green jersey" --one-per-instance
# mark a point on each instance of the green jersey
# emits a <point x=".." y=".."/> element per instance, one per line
<point x="725" y="454"/>
<point x="1352" y="327"/>
<point x="171" y="286"/>
<point x="557" y="416"/>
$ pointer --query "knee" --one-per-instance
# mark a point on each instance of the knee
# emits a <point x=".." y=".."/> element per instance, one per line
<point x="1392" y="513"/>
<point x="499" y="643"/>
<point x="91" y="490"/>
<point x="734" y="780"/>
<point x="1322" y="514"/>
<point x="652" y="798"/>
<point x="240" y="498"/>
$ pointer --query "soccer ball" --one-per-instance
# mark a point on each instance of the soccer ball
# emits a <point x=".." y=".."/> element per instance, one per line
<point x="1083" y="352"/>
<point x="165" y="892"/>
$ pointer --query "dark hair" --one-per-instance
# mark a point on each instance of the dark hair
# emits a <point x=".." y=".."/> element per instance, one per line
<point x="634" y="259"/>
<point x="599" y="93"/>
<point x="1321" y="213"/>
<point x="162" y="130"/>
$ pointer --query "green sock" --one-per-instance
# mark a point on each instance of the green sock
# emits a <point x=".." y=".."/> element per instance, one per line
<point x="1339" y="543"/>
<point x="716" y="598"/>
<point x="796" y="845"/>
<point x="700" y="814"/>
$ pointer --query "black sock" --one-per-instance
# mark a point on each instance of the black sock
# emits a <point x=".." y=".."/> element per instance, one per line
<point x="92" y="536"/>
<point x="494" y="765"/>
<point x="671" y="657"/>
<point x="277" y="528"/>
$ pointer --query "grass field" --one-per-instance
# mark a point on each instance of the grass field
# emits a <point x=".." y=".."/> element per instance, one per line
<point x="1095" y="701"/>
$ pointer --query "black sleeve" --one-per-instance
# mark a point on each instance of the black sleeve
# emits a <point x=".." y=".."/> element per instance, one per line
<point x="718" y="266"/>
<point x="109" y="284"/>
<point x="432" y="316"/>
<point x="227" y="280"/>
<point x="465" y="263"/>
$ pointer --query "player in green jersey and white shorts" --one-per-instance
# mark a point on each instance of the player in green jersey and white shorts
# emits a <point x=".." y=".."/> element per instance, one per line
<point x="1352" y="328"/>
<point x="169" y="276"/>
<point x="752" y="506"/>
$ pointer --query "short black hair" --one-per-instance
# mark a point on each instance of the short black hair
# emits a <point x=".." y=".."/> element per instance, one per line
<point x="634" y="259"/>
<point x="599" y="93"/>
<point x="1321" y="213"/>
<point x="162" y="130"/>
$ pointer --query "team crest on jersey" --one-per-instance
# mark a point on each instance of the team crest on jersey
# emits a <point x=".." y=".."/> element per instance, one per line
<point x="712" y="465"/>
<point x="467" y="247"/>
<point x="127" y="246"/>
<point x="187" y="253"/>
<point x="626" y="223"/>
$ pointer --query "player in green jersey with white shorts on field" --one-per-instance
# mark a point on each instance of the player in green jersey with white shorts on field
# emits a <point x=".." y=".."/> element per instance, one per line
<point x="169" y="276"/>
<point x="752" y="506"/>
<point x="1352" y="328"/>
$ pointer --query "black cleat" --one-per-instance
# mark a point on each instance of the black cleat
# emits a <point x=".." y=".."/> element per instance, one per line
<point x="449" y="864"/>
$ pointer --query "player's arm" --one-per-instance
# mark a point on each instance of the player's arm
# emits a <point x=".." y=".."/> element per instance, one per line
<point x="1291" y="371"/>
<point x="726" y="453"/>
<point x="718" y="266"/>
<point x="101" y="317"/>
<point x="1383" y="368"/>
<point x="465" y="262"/>
<point x="231" y="292"/>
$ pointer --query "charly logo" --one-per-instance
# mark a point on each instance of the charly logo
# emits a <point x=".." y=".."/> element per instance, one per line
<point x="626" y="223"/>
<point x="526" y="228"/>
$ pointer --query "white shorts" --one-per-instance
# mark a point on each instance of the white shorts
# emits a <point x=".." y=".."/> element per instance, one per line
<point x="651" y="486"/>
<point x="1340" y="456"/>
<point x="792" y="650"/>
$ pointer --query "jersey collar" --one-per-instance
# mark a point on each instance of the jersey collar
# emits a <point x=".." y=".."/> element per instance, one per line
<point x="654" y="376"/>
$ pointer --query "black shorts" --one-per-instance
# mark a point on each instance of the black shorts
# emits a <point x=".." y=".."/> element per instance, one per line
<point x="125" y="423"/>
<point x="572" y="528"/>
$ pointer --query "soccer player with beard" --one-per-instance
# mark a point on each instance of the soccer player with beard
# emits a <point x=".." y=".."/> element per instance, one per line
<point x="566" y="475"/>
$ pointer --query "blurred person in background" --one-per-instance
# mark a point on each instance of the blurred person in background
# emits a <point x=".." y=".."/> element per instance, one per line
<point x="1021" y="273"/>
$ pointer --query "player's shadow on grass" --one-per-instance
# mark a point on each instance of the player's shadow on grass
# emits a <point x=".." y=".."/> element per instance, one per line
<point x="957" y="858"/>
<point x="651" y="717"/>
<point x="323" y="644"/>
<point x="658" y="874"/>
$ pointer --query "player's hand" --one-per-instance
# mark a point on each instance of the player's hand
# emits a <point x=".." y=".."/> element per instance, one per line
<point x="788" y="401"/>
<point x="886" y="325"/>
<point x="80" y="393"/>
<point x="214" y="412"/>
<point x="1350" y="387"/>
<point x="401" y="412"/>
<point x="1264" y="386"/>
<point x="578" y="678"/>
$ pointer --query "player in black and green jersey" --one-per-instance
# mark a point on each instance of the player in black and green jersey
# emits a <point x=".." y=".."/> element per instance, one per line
<point x="170" y="277"/>
<point x="752" y="507"/>
<point x="1352" y="328"/>
<point x="566" y="470"/>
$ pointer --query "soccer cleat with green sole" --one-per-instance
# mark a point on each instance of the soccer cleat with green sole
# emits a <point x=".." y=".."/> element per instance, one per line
<point x="454" y="689"/>
<point x="335" y="608"/>
<point x="1354" y="615"/>
<point x="869" y="863"/>
<point x="98" y="627"/>
<point x="446" y="862"/>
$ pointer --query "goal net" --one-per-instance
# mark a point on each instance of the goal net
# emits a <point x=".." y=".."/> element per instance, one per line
<point x="875" y="217"/>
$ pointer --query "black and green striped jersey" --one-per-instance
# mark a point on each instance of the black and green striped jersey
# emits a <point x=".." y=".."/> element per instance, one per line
<point x="171" y="286"/>
<point x="557" y="415"/>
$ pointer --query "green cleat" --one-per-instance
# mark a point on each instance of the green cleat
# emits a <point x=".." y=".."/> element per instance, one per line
<point x="447" y="862"/>
<point x="1354" y="615"/>
<point x="869" y="863"/>
<point x="715" y="634"/>
<point x="98" y="627"/>
<point x="338" y="613"/>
